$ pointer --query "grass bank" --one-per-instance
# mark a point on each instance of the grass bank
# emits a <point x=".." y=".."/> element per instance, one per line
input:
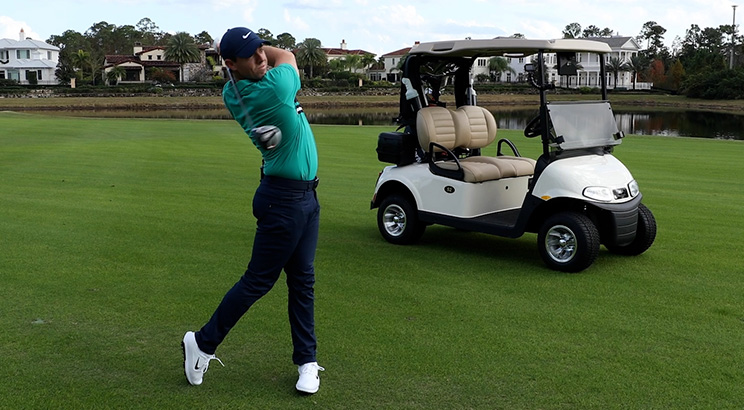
<point x="117" y="236"/>
<point x="351" y="101"/>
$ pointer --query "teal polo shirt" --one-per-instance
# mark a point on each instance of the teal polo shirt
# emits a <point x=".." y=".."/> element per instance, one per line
<point x="271" y="101"/>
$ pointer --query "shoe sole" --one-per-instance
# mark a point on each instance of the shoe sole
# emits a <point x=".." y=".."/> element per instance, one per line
<point x="183" y="350"/>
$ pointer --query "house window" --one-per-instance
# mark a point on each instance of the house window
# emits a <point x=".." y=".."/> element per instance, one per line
<point x="49" y="55"/>
<point x="4" y="55"/>
<point x="2" y="74"/>
<point x="23" y="54"/>
<point x="160" y="57"/>
<point x="149" y="57"/>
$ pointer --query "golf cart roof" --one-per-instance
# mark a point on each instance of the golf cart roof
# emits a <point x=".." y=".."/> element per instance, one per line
<point x="508" y="46"/>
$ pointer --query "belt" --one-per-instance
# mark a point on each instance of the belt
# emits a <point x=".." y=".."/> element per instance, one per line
<point x="291" y="183"/>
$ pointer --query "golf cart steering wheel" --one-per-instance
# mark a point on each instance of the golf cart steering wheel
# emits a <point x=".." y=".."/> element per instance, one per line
<point x="533" y="128"/>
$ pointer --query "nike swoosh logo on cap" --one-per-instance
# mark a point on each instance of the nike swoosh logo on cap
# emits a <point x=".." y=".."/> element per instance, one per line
<point x="246" y="35"/>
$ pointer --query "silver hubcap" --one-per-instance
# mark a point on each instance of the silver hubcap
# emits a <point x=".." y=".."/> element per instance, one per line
<point x="560" y="242"/>
<point x="394" y="220"/>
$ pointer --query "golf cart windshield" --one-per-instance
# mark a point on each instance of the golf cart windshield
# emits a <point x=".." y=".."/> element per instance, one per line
<point x="583" y="124"/>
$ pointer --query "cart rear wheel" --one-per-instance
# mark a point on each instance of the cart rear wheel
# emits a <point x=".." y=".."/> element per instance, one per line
<point x="568" y="242"/>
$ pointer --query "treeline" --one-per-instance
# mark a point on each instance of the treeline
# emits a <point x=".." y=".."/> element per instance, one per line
<point x="705" y="63"/>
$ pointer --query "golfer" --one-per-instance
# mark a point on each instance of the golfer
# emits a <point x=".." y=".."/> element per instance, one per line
<point x="285" y="204"/>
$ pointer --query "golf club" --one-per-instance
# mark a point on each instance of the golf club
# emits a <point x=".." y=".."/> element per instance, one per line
<point x="269" y="136"/>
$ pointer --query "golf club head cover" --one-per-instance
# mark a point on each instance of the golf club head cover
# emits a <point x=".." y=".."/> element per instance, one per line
<point x="267" y="136"/>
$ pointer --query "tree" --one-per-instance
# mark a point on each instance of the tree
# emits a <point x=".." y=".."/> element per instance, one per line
<point x="310" y="54"/>
<point x="203" y="38"/>
<point x="498" y="65"/>
<point x="352" y="62"/>
<point x="182" y="49"/>
<point x="265" y="34"/>
<point x="115" y="74"/>
<point x="637" y="64"/>
<point x="150" y="33"/>
<point x="162" y="76"/>
<point x="616" y="66"/>
<point x="591" y="31"/>
<point x="653" y="34"/>
<point x="368" y="60"/>
<point x="69" y="43"/>
<point x="657" y="72"/>
<point x="286" y="41"/>
<point x="676" y="75"/>
<point x="572" y="30"/>
<point x="704" y="49"/>
<point x="81" y="62"/>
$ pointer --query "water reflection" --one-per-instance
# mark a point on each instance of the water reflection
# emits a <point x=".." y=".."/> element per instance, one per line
<point x="701" y="124"/>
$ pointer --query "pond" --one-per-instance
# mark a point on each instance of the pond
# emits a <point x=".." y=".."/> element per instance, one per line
<point x="700" y="124"/>
<point x="685" y="123"/>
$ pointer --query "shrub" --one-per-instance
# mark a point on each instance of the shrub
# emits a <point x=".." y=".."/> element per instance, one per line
<point x="715" y="85"/>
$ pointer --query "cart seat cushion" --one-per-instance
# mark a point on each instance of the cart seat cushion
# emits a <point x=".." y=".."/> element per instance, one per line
<point x="473" y="171"/>
<point x="508" y="166"/>
<point x="435" y="124"/>
<point x="475" y="126"/>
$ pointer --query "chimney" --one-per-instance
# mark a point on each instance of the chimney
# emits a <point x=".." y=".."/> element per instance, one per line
<point x="21" y="35"/>
<point x="343" y="44"/>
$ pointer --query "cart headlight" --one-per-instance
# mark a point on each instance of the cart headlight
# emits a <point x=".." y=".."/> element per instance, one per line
<point x="633" y="188"/>
<point x="599" y="193"/>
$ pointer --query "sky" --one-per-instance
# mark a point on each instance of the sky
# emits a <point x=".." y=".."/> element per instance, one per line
<point x="376" y="26"/>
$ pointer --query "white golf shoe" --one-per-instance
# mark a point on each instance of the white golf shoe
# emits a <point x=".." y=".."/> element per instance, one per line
<point x="309" y="381"/>
<point x="195" y="362"/>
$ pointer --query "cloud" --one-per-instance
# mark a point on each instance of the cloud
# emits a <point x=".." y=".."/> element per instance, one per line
<point x="12" y="28"/>
<point x="295" y="22"/>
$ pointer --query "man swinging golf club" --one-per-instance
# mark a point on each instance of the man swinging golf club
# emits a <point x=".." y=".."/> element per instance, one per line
<point x="260" y="95"/>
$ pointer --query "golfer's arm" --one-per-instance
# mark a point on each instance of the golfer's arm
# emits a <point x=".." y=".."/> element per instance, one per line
<point x="277" y="56"/>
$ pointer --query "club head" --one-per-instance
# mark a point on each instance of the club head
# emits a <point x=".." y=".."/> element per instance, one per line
<point x="268" y="136"/>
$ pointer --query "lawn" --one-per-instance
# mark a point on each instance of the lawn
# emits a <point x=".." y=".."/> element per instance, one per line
<point x="118" y="235"/>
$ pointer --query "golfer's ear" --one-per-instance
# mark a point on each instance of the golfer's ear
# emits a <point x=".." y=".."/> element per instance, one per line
<point x="230" y="64"/>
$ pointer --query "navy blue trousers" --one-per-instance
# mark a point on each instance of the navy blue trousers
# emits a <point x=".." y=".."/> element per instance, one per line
<point x="288" y="215"/>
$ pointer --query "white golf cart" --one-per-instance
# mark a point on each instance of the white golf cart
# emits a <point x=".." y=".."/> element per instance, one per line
<point x="575" y="196"/>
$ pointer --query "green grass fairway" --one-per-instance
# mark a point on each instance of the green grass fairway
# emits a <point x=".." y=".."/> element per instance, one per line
<point x="117" y="236"/>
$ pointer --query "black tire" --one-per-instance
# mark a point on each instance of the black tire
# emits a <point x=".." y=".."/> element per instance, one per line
<point x="398" y="221"/>
<point x="645" y="235"/>
<point x="568" y="242"/>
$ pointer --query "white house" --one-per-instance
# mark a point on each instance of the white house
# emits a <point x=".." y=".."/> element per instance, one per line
<point x="392" y="60"/>
<point x="26" y="59"/>
<point x="622" y="48"/>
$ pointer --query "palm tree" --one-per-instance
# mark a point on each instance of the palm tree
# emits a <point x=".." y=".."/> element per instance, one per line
<point x="637" y="64"/>
<point x="182" y="49"/>
<point x="80" y="61"/>
<point x="616" y="66"/>
<point x="353" y="62"/>
<point x="309" y="53"/>
<point x="498" y="65"/>
<point x="115" y="74"/>
<point x="368" y="60"/>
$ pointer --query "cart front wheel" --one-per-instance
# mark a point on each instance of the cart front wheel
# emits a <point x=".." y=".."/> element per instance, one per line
<point x="568" y="242"/>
